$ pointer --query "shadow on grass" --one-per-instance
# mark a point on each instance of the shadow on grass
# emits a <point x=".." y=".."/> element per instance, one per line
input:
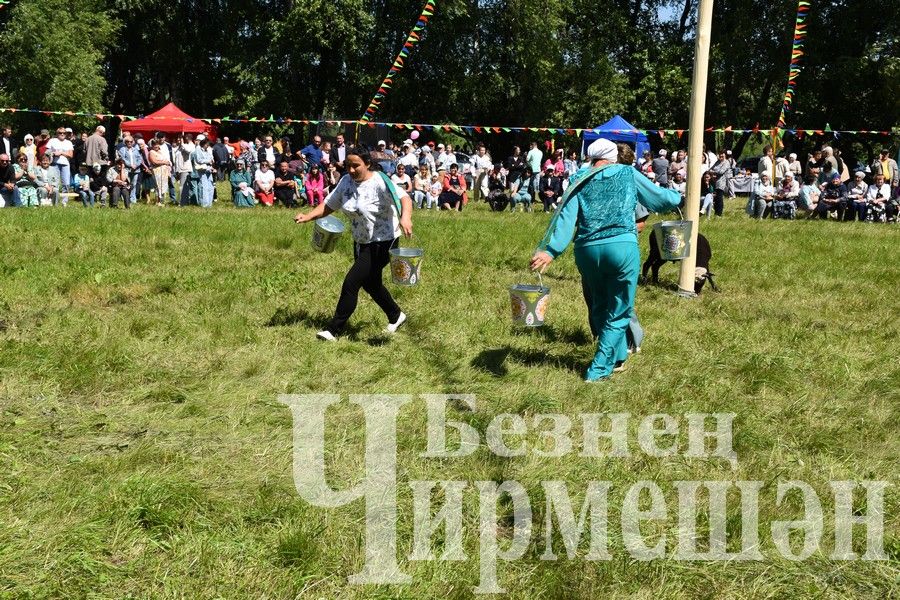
<point x="285" y="317"/>
<point x="551" y="333"/>
<point x="494" y="360"/>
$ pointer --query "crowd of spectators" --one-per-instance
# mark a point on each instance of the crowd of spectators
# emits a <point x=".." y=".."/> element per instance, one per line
<point x="267" y="171"/>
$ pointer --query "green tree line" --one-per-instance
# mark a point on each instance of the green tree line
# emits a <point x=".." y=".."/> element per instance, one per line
<point x="506" y="62"/>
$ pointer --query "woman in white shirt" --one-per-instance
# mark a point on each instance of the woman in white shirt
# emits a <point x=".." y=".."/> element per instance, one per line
<point x="264" y="179"/>
<point x="367" y="198"/>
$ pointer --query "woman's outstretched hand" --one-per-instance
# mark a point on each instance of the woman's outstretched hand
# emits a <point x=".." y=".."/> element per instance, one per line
<point x="302" y="218"/>
<point x="540" y="261"/>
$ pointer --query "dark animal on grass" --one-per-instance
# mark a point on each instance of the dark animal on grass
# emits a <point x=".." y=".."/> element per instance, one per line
<point x="704" y="254"/>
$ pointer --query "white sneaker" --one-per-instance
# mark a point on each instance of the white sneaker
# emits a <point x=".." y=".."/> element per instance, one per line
<point x="393" y="327"/>
<point x="326" y="335"/>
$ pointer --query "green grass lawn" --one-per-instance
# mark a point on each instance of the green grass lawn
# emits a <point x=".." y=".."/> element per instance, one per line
<point x="144" y="453"/>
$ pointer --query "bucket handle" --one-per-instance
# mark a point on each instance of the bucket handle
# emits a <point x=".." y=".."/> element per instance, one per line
<point x="411" y="237"/>
<point x="540" y="279"/>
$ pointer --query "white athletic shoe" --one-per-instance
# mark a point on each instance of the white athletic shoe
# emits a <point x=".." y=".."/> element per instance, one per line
<point x="393" y="327"/>
<point x="326" y="335"/>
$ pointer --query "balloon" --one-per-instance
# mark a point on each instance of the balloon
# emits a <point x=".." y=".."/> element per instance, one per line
<point x="414" y="135"/>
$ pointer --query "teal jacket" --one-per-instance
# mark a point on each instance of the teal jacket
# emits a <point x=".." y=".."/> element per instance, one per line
<point x="604" y="208"/>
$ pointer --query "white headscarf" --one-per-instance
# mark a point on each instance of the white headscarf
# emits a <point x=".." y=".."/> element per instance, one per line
<point x="603" y="150"/>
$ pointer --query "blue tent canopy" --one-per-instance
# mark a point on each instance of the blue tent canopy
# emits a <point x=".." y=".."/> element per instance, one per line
<point x="628" y="133"/>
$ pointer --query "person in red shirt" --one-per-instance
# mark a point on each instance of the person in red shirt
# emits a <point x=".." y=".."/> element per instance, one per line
<point x="454" y="195"/>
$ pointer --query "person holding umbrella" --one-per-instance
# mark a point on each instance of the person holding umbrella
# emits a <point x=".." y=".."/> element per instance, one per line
<point x="598" y="211"/>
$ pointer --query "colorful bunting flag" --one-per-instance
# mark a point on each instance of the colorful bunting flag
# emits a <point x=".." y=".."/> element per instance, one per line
<point x="796" y="53"/>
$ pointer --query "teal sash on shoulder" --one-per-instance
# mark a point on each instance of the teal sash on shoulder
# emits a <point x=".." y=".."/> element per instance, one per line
<point x="573" y="189"/>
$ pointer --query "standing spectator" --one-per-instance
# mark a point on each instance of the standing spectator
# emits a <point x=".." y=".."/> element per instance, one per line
<point x="767" y="162"/>
<point x="383" y="157"/>
<point x="204" y="169"/>
<point x="326" y="155"/>
<point x="41" y="142"/>
<point x="314" y="184"/>
<point x="722" y="170"/>
<point x="679" y="184"/>
<point x="247" y="155"/>
<point x="660" y="166"/>
<point x="241" y="185"/>
<point x="284" y="186"/>
<point x="268" y="153"/>
<point x="571" y="164"/>
<point x="887" y="166"/>
<point x="221" y="159"/>
<point x="533" y="158"/>
<point x="30" y="151"/>
<point x="408" y="159"/>
<point x="120" y="180"/>
<point x="332" y="177"/>
<point x="162" y="170"/>
<point x="444" y="158"/>
<point x="264" y="181"/>
<point x="427" y="159"/>
<point x="96" y="148"/>
<point x="79" y="150"/>
<point x="828" y="157"/>
<point x="794" y="166"/>
<point x="61" y="152"/>
<point x="7" y="146"/>
<point x="168" y="154"/>
<point x="515" y="167"/>
<point x="339" y="154"/>
<point x="312" y="153"/>
<point x="549" y="187"/>
<point x="184" y="147"/>
<point x="782" y="166"/>
<point x="481" y="167"/>
<point x="131" y="156"/>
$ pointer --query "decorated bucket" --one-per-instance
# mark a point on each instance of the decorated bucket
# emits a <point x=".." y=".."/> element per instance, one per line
<point x="529" y="303"/>
<point x="673" y="239"/>
<point x="406" y="265"/>
<point x="326" y="233"/>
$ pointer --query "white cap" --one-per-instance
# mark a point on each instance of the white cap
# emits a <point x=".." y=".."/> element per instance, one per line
<point x="792" y="155"/>
<point x="663" y="152"/>
<point x="426" y="149"/>
<point x="728" y="153"/>
<point x="603" y="149"/>
<point x="381" y="143"/>
<point x="200" y="137"/>
<point x="440" y="146"/>
<point x="407" y="142"/>
<point x="860" y="174"/>
<point x="68" y="130"/>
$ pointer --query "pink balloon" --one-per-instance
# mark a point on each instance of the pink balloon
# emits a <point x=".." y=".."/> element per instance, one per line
<point x="414" y="135"/>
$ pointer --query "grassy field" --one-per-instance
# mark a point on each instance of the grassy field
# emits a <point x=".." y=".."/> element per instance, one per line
<point x="144" y="453"/>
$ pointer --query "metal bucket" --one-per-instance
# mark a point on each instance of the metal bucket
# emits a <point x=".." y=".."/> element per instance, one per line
<point x="406" y="265"/>
<point x="529" y="303"/>
<point x="673" y="238"/>
<point x="326" y="233"/>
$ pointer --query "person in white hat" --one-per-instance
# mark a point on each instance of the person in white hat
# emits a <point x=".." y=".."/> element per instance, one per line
<point x="598" y="211"/>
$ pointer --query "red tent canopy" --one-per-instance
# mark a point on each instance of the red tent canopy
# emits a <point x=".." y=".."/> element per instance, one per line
<point x="170" y="120"/>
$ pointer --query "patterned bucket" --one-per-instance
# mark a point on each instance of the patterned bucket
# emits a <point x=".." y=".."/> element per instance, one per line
<point x="673" y="239"/>
<point x="406" y="265"/>
<point x="529" y="303"/>
<point x="326" y="233"/>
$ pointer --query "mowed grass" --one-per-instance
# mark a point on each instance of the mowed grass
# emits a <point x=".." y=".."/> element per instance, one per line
<point x="144" y="453"/>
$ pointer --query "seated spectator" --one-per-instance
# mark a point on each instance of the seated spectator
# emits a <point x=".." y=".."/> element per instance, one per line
<point x="707" y="194"/>
<point x="8" y="190"/>
<point x="99" y="184"/>
<point x="314" y="184"/>
<point x="30" y="151"/>
<point x="794" y="166"/>
<point x="856" y="197"/>
<point x="496" y="186"/>
<point x="81" y="184"/>
<point x="785" y="204"/>
<point x="332" y="177"/>
<point x="761" y="197"/>
<point x="26" y="182"/>
<point x="453" y="196"/>
<point x="549" y="187"/>
<point x="298" y="165"/>
<point x="402" y="180"/>
<point x="522" y="194"/>
<point x="284" y="186"/>
<point x="679" y="184"/>
<point x="264" y="182"/>
<point x="808" y="198"/>
<point x="879" y="201"/>
<point x="48" y="181"/>
<point x="120" y="180"/>
<point x="421" y="183"/>
<point x="833" y="198"/>
<point x="242" y="185"/>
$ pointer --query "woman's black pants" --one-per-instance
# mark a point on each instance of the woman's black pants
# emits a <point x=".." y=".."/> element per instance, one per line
<point x="366" y="274"/>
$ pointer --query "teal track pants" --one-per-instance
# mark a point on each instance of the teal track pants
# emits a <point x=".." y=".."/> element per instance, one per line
<point x="610" y="273"/>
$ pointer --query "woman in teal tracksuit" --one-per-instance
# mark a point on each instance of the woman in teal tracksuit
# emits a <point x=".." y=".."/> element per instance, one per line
<point x="599" y="214"/>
